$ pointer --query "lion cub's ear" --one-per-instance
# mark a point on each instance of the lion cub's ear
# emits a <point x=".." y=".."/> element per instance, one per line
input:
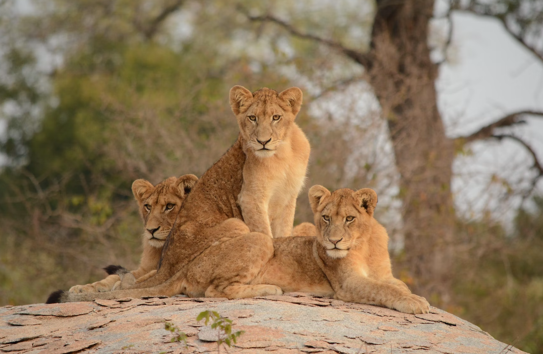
<point x="294" y="97"/>
<point x="240" y="97"/>
<point x="185" y="184"/>
<point x="367" y="199"/>
<point x="140" y="187"/>
<point x="316" y="195"/>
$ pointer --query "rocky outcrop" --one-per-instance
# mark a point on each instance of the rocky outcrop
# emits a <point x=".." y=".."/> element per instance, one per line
<point x="293" y="323"/>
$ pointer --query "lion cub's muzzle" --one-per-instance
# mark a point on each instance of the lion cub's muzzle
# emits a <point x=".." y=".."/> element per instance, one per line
<point x="335" y="238"/>
<point x="336" y="245"/>
<point x="264" y="148"/>
<point x="157" y="239"/>
<point x="335" y="241"/>
<point x="263" y="143"/>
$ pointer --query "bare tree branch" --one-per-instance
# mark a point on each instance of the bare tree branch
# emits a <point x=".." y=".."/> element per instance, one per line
<point x="484" y="11"/>
<point x="450" y="30"/>
<point x="336" y="86"/>
<point x="150" y="29"/>
<point x="537" y="164"/>
<point x="359" y="57"/>
<point x="507" y="121"/>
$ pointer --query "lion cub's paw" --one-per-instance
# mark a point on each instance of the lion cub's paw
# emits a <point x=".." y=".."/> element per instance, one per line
<point x="116" y="286"/>
<point x="82" y="289"/>
<point x="412" y="304"/>
<point x="127" y="280"/>
<point x="77" y="289"/>
<point x="270" y="290"/>
<point x="101" y="287"/>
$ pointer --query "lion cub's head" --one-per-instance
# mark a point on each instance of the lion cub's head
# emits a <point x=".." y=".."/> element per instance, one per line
<point x="343" y="218"/>
<point x="160" y="204"/>
<point x="265" y="116"/>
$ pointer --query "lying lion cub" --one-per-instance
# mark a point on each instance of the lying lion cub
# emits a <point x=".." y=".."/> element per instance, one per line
<point x="158" y="206"/>
<point x="348" y="259"/>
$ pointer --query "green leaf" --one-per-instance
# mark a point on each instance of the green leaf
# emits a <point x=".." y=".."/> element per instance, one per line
<point x="202" y="315"/>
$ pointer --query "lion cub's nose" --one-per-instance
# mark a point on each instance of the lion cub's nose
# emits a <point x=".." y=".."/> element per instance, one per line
<point x="152" y="231"/>
<point x="335" y="242"/>
<point x="264" y="142"/>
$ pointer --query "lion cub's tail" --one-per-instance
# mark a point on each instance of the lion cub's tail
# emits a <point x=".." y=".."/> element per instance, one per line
<point x="61" y="296"/>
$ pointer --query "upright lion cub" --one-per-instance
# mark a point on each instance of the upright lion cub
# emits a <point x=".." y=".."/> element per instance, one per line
<point x="277" y="155"/>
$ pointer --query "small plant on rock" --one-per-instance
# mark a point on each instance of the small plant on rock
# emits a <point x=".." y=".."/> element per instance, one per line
<point x="178" y="335"/>
<point x="223" y="326"/>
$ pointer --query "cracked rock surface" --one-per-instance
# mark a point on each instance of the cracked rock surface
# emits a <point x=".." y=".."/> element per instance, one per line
<point x="292" y="323"/>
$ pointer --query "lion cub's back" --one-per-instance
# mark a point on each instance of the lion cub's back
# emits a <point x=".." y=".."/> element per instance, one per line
<point x="293" y="267"/>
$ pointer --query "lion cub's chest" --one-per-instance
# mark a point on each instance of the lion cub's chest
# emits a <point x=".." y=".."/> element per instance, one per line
<point x="269" y="192"/>
<point x="285" y="187"/>
<point x="355" y="263"/>
<point x="276" y="183"/>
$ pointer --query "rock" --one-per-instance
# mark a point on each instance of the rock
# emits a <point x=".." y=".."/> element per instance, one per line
<point x="207" y="334"/>
<point x="293" y="323"/>
<point x="66" y="310"/>
<point x="21" y="321"/>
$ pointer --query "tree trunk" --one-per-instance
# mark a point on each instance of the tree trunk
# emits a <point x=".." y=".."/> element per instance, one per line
<point x="403" y="78"/>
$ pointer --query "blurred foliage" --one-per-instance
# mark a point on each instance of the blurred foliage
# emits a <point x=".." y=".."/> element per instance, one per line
<point x="117" y="100"/>
<point x="499" y="278"/>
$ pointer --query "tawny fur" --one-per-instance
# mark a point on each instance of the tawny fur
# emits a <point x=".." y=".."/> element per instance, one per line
<point x="305" y="229"/>
<point x="277" y="156"/>
<point x="209" y="227"/>
<point x="158" y="207"/>
<point x="348" y="259"/>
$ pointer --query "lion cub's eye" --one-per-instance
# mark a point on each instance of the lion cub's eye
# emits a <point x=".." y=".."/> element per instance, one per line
<point x="169" y="206"/>
<point x="276" y="117"/>
<point x="252" y="118"/>
<point x="326" y="218"/>
<point x="349" y="218"/>
<point x="147" y="207"/>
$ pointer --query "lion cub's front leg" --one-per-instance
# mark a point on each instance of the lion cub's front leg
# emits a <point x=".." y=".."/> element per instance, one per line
<point x="254" y="207"/>
<point x="282" y="221"/>
<point x="103" y="285"/>
<point x="368" y="291"/>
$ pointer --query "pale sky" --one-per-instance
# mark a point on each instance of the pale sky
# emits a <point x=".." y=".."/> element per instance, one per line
<point x="490" y="76"/>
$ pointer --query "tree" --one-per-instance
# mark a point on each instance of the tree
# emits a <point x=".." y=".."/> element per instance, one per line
<point x="402" y="75"/>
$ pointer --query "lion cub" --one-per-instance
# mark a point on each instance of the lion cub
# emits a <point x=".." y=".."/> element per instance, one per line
<point x="277" y="155"/>
<point x="348" y="258"/>
<point x="158" y="206"/>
